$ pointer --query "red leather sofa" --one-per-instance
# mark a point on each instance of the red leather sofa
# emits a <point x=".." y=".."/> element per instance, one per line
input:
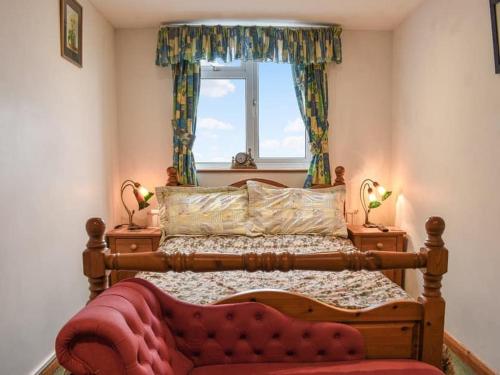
<point x="134" y="328"/>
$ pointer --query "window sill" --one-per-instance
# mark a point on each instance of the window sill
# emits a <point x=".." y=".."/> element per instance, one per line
<point x="260" y="170"/>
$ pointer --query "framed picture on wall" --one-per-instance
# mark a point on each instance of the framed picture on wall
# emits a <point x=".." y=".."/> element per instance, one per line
<point x="495" y="17"/>
<point x="71" y="19"/>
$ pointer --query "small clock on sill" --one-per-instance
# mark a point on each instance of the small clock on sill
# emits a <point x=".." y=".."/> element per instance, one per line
<point x="243" y="160"/>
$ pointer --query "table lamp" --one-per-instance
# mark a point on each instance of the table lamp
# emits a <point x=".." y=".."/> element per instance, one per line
<point x="142" y="195"/>
<point x="372" y="194"/>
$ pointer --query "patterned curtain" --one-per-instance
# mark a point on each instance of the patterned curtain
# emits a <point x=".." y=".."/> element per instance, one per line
<point x="186" y="77"/>
<point x="311" y="88"/>
<point x="294" y="45"/>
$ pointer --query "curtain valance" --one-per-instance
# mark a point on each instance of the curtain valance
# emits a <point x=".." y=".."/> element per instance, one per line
<point x="292" y="45"/>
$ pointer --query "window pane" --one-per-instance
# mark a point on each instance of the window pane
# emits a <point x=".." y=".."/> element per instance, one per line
<point x="281" y="129"/>
<point x="220" y="128"/>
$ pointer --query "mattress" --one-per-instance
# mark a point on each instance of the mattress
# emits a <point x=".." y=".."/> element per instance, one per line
<point x="346" y="289"/>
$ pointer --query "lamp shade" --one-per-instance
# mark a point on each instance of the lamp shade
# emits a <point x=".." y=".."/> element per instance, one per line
<point x="142" y="195"/>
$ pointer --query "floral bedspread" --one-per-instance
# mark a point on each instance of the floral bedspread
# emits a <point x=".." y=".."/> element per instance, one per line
<point x="345" y="289"/>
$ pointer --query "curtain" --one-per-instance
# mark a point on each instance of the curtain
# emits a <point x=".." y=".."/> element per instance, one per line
<point x="311" y="89"/>
<point x="294" y="45"/>
<point x="186" y="83"/>
<point x="308" y="49"/>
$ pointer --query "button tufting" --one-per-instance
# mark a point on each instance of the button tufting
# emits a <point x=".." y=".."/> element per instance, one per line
<point x="197" y="315"/>
<point x="229" y="316"/>
<point x="168" y="313"/>
<point x="243" y="336"/>
<point x="211" y="335"/>
<point x="257" y="352"/>
<point x="196" y="354"/>
<point x="179" y="334"/>
<point x="228" y="353"/>
<point x="321" y="352"/>
<point x="352" y="352"/>
<point x="290" y="353"/>
<point x="306" y="335"/>
<point x="258" y="316"/>
<point x="336" y="335"/>
<point x="276" y="336"/>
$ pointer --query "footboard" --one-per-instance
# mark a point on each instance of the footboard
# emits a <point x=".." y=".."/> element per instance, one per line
<point x="402" y="329"/>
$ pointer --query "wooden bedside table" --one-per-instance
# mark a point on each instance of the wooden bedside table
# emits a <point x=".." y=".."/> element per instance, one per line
<point x="373" y="239"/>
<point x="122" y="240"/>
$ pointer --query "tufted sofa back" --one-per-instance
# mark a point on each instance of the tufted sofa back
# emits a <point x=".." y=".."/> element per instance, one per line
<point x="137" y="329"/>
<point x="253" y="333"/>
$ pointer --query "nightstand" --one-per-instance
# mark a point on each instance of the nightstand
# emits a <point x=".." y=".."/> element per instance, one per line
<point x="373" y="239"/>
<point x="122" y="240"/>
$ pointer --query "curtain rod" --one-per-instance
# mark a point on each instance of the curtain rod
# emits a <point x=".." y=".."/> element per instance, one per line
<point x="247" y="23"/>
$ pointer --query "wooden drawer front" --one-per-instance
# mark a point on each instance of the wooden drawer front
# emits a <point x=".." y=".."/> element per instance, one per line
<point x="133" y="245"/>
<point x="379" y="243"/>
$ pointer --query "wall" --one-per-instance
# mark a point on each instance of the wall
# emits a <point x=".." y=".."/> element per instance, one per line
<point x="446" y="134"/>
<point x="360" y="114"/>
<point x="57" y="157"/>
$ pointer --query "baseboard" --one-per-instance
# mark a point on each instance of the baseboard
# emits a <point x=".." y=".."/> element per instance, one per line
<point x="48" y="367"/>
<point x="467" y="356"/>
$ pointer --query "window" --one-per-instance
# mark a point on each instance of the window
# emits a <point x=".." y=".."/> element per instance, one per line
<point x="249" y="105"/>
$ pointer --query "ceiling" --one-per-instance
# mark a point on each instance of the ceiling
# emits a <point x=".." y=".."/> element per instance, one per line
<point x="351" y="14"/>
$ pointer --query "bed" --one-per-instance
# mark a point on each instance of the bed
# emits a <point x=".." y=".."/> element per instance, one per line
<point x="322" y="278"/>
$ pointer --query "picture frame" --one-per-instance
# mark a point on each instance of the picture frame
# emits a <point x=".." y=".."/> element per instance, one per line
<point x="71" y="22"/>
<point x="495" y="26"/>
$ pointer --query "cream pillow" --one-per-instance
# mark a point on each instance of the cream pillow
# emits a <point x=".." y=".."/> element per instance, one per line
<point x="297" y="211"/>
<point x="205" y="211"/>
<point x="162" y="193"/>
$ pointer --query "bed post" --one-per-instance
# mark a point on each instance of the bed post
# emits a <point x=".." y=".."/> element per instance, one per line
<point x="172" y="179"/>
<point x="433" y="303"/>
<point x="93" y="257"/>
<point x="339" y="173"/>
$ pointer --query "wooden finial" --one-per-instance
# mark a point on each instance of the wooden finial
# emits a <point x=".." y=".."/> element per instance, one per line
<point x="172" y="179"/>
<point x="93" y="257"/>
<point x="434" y="226"/>
<point x="95" y="229"/>
<point x="339" y="172"/>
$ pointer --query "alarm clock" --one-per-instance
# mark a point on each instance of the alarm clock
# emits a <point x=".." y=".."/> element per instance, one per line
<point x="243" y="160"/>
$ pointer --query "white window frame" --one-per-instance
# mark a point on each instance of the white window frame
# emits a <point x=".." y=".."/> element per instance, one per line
<point x="249" y="71"/>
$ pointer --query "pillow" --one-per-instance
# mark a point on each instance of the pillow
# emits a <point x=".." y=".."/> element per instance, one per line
<point x="297" y="211"/>
<point x="205" y="211"/>
<point x="162" y="192"/>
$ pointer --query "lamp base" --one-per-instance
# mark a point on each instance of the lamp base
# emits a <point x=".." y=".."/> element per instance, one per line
<point x="133" y="226"/>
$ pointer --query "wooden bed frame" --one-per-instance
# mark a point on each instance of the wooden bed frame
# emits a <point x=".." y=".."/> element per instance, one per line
<point x="410" y="329"/>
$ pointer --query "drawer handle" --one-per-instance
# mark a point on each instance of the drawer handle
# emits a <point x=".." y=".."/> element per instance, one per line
<point x="133" y="247"/>
<point x="380" y="245"/>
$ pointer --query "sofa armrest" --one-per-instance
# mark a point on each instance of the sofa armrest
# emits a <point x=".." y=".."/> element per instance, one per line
<point x="121" y="331"/>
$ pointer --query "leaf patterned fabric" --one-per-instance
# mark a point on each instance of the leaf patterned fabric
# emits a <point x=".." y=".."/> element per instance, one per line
<point x="308" y="49"/>
<point x="311" y="88"/>
<point x="186" y="78"/>
<point x="294" y="45"/>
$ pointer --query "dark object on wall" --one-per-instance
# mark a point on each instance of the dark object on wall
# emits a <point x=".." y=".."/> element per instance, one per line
<point x="495" y="15"/>
<point x="71" y="21"/>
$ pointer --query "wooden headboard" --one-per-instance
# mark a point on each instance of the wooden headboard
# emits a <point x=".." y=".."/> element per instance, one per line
<point x="172" y="179"/>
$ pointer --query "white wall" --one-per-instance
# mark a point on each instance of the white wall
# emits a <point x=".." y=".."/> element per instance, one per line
<point x="446" y="157"/>
<point x="57" y="157"/>
<point x="360" y="114"/>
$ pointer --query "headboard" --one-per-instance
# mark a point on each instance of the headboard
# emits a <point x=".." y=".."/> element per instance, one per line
<point x="172" y="179"/>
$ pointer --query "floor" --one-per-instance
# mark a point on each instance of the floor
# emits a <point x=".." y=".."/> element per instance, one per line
<point x="460" y="367"/>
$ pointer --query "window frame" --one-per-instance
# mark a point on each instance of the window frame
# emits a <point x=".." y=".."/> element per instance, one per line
<point x="249" y="71"/>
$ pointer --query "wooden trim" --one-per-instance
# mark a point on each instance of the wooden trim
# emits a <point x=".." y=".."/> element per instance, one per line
<point x="173" y="180"/>
<point x="50" y="368"/>
<point x="467" y="356"/>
